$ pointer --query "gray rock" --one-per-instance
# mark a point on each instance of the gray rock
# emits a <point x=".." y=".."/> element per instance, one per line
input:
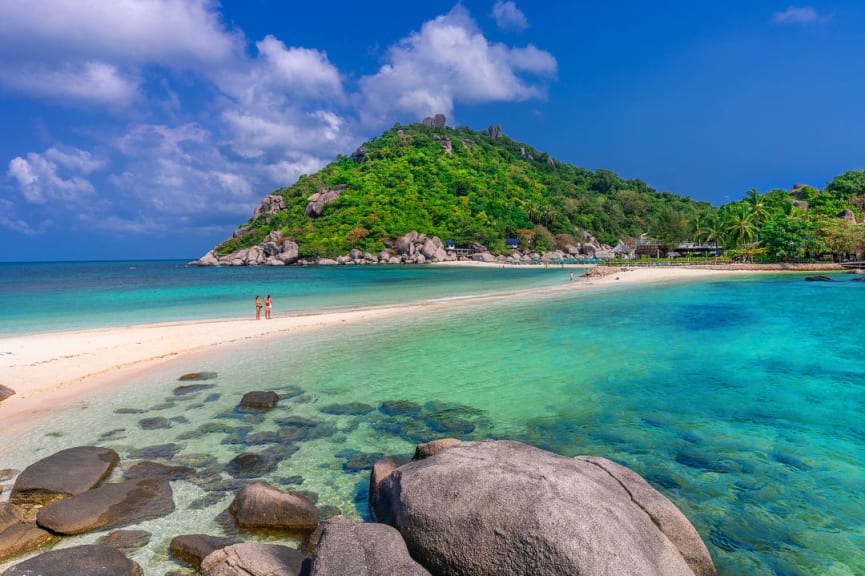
<point x="77" y="560"/>
<point x="66" y="473"/>
<point x="253" y="559"/>
<point x="317" y="201"/>
<point x="208" y="259"/>
<point x="5" y="392"/>
<point x="500" y="507"/>
<point x="289" y="252"/>
<point x="155" y="423"/>
<point x="847" y="215"/>
<point x="125" y="540"/>
<point x="109" y="506"/>
<point x="348" y="549"/>
<point x="271" y="204"/>
<point x="495" y="131"/>
<point x="380" y="505"/>
<point x="22" y="538"/>
<point x="191" y="549"/>
<point x="259" y="400"/>
<point x="259" y="506"/>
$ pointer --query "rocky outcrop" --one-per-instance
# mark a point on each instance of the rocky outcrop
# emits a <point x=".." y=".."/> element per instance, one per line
<point x="272" y="204"/>
<point x="9" y="514"/>
<point x="349" y="549"/>
<point x="263" y="507"/>
<point x="501" y="507"/>
<point x="252" y="559"/>
<point x="109" y="506"/>
<point x="437" y="121"/>
<point x="495" y="131"/>
<point x="847" y="215"/>
<point x="89" y="559"/>
<point x="67" y="473"/>
<point x="23" y="538"/>
<point x="801" y="205"/>
<point x="317" y="201"/>
<point x="5" y="392"/>
<point x="273" y="251"/>
<point x="191" y="549"/>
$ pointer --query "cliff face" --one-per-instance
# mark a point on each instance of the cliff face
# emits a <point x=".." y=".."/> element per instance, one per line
<point x="427" y="192"/>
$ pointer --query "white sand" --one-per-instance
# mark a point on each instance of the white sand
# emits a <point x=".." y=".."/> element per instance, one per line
<point x="50" y="371"/>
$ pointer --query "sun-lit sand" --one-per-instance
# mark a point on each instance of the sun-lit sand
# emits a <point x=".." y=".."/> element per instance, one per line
<point x="50" y="371"/>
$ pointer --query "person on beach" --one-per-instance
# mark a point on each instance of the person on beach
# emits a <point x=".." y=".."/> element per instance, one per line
<point x="267" y="304"/>
<point x="257" y="307"/>
<point x="572" y="276"/>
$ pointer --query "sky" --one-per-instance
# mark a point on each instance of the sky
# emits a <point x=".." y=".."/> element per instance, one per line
<point x="139" y="129"/>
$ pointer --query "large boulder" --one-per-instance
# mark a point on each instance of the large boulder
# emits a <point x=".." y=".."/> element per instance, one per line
<point x="126" y="540"/>
<point x="501" y="507"/>
<point x="23" y="537"/>
<point x="259" y="400"/>
<point x="5" y="392"/>
<point x="89" y="559"/>
<point x="349" y="549"/>
<point x="316" y="202"/>
<point x="67" y="473"/>
<point x="260" y="506"/>
<point x="289" y="253"/>
<point x="191" y="549"/>
<point x="270" y="205"/>
<point x="109" y="506"/>
<point x="847" y="215"/>
<point x="253" y="559"/>
<point x="208" y="259"/>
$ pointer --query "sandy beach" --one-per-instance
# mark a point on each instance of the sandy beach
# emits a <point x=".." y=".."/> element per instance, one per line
<point x="49" y="371"/>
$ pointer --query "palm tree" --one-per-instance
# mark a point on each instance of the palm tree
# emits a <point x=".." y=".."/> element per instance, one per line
<point x="710" y="229"/>
<point x="739" y="224"/>
<point x="756" y="203"/>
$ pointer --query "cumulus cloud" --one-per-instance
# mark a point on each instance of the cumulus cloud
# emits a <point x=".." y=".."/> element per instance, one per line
<point x="798" y="15"/>
<point x="508" y="16"/>
<point x="450" y="60"/>
<point x="93" y="52"/>
<point x="55" y="175"/>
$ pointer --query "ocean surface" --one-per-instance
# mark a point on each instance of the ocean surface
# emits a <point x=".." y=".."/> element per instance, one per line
<point x="742" y="399"/>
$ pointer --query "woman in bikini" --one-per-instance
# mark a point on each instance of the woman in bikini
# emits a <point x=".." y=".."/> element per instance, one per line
<point x="267" y="304"/>
<point x="257" y="307"/>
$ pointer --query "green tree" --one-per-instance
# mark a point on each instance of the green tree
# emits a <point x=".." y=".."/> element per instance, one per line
<point x="787" y="237"/>
<point x="671" y="227"/>
<point x="850" y="183"/>
<point x="739" y="224"/>
<point x="757" y="205"/>
<point x="842" y="238"/>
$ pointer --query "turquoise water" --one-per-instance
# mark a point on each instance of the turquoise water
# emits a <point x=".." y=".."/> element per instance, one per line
<point x="741" y="400"/>
<point x="37" y="297"/>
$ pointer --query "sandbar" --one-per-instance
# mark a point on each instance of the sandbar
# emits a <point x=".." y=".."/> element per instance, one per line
<point x="49" y="371"/>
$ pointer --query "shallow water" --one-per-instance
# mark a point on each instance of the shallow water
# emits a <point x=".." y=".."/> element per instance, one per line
<point x="741" y="400"/>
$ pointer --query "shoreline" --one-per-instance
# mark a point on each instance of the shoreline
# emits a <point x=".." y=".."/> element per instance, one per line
<point x="51" y="371"/>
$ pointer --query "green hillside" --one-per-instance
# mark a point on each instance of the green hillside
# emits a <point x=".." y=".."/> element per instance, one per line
<point x="485" y="189"/>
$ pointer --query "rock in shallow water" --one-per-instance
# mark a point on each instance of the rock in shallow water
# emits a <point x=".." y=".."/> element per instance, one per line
<point x="260" y="506"/>
<point x="500" y="507"/>
<point x="348" y="549"/>
<point x="259" y="400"/>
<point x="109" y="506"/>
<point x="65" y="473"/>
<point x="22" y="538"/>
<point x="5" y="392"/>
<point x="252" y="559"/>
<point x="191" y="549"/>
<point x="125" y="540"/>
<point x="78" y="560"/>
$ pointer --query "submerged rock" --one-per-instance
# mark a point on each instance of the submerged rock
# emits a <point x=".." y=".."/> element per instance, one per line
<point x="66" y="473"/>
<point x="349" y="549"/>
<point x="125" y="539"/>
<point x="819" y="278"/>
<point x="109" y="506"/>
<point x="195" y="376"/>
<point x="149" y="469"/>
<point x="89" y="559"/>
<point x="259" y="400"/>
<point x="501" y="507"/>
<point x="156" y="423"/>
<point x="158" y="451"/>
<point x="188" y="389"/>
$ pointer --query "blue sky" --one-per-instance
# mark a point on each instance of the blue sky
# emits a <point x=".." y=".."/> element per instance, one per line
<point x="152" y="129"/>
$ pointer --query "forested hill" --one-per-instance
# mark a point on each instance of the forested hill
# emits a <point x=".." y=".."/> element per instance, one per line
<point x="457" y="184"/>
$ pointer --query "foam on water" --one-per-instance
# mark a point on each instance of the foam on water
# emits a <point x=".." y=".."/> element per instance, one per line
<point x="741" y="400"/>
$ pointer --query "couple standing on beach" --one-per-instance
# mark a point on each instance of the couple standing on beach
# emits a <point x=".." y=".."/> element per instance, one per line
<point x="268" y="302"/>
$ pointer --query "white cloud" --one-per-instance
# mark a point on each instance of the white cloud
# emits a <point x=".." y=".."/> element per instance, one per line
<point x="89" y="82"/>
<point x="94" y="52"/>
<point x="54" y="176"/>
<point x="450" y="60"/>
<point x="302" y="72"/>
<point x="509" y="17"/>
<point x="798" y="15"/>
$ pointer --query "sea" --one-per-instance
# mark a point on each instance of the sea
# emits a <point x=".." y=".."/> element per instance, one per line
<point x="740" y="399"/>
